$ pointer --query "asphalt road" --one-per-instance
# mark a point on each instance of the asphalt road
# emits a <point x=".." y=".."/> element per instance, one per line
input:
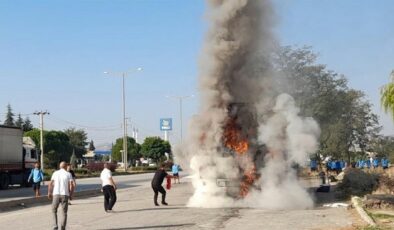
<point x="125" y="181"/>
<point x="135" y="210"/>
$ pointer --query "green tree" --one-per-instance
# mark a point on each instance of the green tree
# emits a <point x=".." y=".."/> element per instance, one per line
<point x="78" y="140"/>
<point x="91" y="146"/>
<point x="387" y="96"/>
<point x="73" y="159"/>
<point x="9" y="117"/>
<point x="19" y="121"/>
<point x="344" y="116"/>
<point x="155" y="148"/>
<point x="133" y="149"/>
<point x="56" y="145"/>
<point x="27" y="125"/>
<point x="383" y="146"/>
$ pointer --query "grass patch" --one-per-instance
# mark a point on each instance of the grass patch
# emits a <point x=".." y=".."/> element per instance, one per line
<point x="381" y="216"/>
<point x="372" y="228"/>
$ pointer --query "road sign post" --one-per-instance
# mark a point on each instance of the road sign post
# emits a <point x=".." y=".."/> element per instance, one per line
<point x="166" y="125"/>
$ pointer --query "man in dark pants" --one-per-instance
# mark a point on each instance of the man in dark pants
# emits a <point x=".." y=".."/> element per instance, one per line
<point x="157" y="180"/>
<point x="109" y="188"/>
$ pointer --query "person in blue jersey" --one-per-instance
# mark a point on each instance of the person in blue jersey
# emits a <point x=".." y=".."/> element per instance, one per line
<point x="333" y="166"/>
<point x="368" y="163"/>
<point x="375" y="163"/>
<point x="385" y="163"/>
<point x="37" y="176"/>
<point x="175" y="173"/>
<point x="361" y="164"/>
<point x="338" y="167"/>
<point x="313" y="165"/>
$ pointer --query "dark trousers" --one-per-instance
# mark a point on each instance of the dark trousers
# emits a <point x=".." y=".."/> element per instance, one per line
<point x="156" y="190"/>
<point x="109" y="197"/>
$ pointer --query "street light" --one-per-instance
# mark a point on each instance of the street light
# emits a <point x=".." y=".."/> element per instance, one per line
<point x="123" y="75"/>
<point x="180" y="98"/>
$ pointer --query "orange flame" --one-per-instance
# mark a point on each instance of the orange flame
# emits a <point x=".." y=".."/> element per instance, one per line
<point x="248" y="180"/>
<point x="233" y="138"/>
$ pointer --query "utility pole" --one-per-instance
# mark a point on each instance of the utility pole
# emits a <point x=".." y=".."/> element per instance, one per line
<point x="180" y="98"/>
<point x="123" y="74"/>
<point x="41" y="114"/>
<point x="136" y="136"/>
<point x="125" y="144"/>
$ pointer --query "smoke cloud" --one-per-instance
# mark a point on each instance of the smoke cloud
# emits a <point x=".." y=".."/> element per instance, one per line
<point x="244" y="141"/>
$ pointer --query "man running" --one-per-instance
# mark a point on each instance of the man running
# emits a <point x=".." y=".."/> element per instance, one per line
<point x="157" y="180"/>
<point x="59" y="191"/>
<point x="109" y="188"/>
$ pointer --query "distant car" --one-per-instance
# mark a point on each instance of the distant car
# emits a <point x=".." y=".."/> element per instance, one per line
<point x="153" y="164"/>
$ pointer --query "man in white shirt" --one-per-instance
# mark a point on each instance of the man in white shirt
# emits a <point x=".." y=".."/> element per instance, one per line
<point x="59" y="190"/>
<point x="108" y="188"/>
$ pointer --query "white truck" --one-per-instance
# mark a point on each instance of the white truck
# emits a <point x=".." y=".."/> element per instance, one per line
<point x="18" y="155"/>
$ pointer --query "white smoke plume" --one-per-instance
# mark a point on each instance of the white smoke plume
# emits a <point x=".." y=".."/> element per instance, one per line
<point x="242" y="144"/>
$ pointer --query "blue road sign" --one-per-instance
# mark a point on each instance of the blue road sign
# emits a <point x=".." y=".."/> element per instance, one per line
<point x="166" y="124"/>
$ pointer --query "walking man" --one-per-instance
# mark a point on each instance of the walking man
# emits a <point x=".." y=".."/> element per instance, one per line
<point x="157" y="180"/>
<point x="59" y="191"/>
<point x="69" y="169"/>
<point x="109" y="188"/>
<point x="37" y="176"/>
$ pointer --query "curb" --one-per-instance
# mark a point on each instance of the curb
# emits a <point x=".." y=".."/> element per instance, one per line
<point x="357" y="203"/>
<point x="31" y="202"/>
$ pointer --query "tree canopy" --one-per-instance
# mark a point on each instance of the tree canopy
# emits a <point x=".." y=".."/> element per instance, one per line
<point x="27" y="125"/>
<point x="344" y="115"/>
<point x="155" y="148"/>
<point x="78" y="140"/>
<point x="387" y="96"/>
<point x="133" y="149"/>
<point x="9" y="117"/>
<point x="57" y="146"/>
<point x="91" y="146"/>
<point x="19" y="121"/>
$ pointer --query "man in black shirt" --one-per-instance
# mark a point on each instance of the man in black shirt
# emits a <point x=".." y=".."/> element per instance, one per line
<point x="69" y="169"/>
<point x="157" y="180"/>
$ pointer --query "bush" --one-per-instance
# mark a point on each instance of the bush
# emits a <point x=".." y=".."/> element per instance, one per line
<point x="81" y="171"/>
<point x="145" y="168"/>
<point x="357" y="183"/>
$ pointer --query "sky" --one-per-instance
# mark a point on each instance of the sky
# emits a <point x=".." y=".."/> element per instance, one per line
<point x="53" y="55"/>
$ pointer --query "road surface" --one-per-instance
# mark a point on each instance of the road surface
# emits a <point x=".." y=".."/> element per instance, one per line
<point x="135" y="210"/>
<point x="125" y="181"/>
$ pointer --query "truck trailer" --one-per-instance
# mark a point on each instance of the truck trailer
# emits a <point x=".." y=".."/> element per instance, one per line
<point x="18" y="155"/>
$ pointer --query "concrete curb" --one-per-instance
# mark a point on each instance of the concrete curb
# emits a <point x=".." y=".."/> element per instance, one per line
<point x="357" y="203"/>
<point x="30" y="202"/>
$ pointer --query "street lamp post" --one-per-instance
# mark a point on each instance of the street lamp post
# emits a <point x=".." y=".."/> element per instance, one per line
<point x="180" y="98"/>
<point x="123" y="74"/>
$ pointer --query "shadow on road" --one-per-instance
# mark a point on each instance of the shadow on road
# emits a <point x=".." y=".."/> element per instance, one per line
<point x="156" y="226"/>
<point x="149" y="209"/>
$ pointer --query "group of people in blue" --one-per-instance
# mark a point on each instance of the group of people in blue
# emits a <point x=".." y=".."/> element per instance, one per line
<point x="338" y="165"/>
<point x="374" y="162"/>
<point x="331" y="165"/>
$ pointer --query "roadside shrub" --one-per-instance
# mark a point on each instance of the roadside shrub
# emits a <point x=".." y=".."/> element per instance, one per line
<point x="82" y="171"/>
<point x="357" y="183"/>
<point x="145" y="168"/>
